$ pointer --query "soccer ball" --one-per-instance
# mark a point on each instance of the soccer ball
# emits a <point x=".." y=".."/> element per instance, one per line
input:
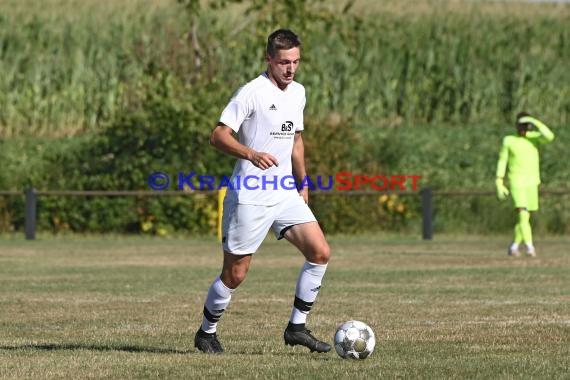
<point x="354" y="340"/>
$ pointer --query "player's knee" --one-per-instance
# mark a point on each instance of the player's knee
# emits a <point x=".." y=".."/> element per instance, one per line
<point x="524" y="216"/>
<point x="321" y="254"/>
<point x="233" y="279"/>
<point x="232" y="282"/>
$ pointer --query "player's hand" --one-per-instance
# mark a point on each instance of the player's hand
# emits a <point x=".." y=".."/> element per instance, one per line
<point x="502" y="190"/>
<point x="264" y="160"/>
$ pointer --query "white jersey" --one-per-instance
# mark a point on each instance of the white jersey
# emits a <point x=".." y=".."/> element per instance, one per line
<point x="265" y="119"/>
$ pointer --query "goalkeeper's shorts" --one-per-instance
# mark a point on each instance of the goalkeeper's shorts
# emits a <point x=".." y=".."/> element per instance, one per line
<point x="525" y="197"/>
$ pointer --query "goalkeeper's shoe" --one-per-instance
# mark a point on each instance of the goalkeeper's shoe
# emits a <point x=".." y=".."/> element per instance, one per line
<point x="303" y="337"/>
<point x="514" y="252"/>
<point x="207" y="343"/>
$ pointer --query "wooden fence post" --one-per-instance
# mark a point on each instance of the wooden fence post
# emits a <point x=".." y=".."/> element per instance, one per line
<point x="427" y="213"/>
<point x="30" y="216"/>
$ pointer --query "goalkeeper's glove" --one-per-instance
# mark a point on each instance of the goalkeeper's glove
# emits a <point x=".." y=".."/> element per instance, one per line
<point x="531" y="120"/>
<point x="502" y="191"/>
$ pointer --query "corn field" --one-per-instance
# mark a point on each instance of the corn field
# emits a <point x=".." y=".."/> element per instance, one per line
<point x="69" y="67"/>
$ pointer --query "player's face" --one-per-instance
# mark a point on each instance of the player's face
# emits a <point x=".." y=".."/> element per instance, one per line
<point x="283" y="66"/>
<point x="522" y="129"/>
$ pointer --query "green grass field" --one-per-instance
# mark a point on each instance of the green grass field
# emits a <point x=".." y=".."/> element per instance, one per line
<point x="125" y="307"/>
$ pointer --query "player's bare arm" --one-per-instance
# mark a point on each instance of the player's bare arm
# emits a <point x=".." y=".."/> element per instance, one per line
<point x="298" y="163"/>
<point x="222" y="138"/>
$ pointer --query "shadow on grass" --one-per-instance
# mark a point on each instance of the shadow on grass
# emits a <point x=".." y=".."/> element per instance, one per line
<point x="139" y="349"/>
<point x="94" y="347"/>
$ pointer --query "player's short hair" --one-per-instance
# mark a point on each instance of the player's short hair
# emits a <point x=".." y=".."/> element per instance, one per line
<point x="281" y="39"/>
<point x="519" y="125"/>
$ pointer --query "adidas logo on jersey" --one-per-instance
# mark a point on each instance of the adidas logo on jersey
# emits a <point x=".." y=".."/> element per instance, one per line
<point x="272" y="108"/>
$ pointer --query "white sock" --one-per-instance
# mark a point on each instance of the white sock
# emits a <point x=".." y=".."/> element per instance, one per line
<point x="514" y="245"/>
<point x="217" y="300"/>
<point x="530" y="247"/>
<point x="308" y="286"/>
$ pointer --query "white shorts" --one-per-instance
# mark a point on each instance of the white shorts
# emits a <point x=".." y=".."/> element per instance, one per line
<point x="244" y="226"/>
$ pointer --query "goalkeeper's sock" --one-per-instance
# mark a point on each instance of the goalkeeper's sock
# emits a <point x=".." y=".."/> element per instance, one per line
<point x="217" y="300"/>
<point x="526" y="229"/>
<point x="518" y="236"/>
<point x="308" y="286"/>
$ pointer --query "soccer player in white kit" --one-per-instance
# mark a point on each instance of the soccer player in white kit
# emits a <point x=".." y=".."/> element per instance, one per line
<point x="267" y="115"/>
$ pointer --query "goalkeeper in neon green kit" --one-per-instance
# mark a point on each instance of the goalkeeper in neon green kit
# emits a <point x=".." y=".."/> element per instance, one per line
<point x="519" y="154"/>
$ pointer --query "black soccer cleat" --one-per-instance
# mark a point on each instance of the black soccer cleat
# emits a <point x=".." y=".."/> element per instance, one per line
<point x="304" y="338"/>
<point x="207" y="343"/>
